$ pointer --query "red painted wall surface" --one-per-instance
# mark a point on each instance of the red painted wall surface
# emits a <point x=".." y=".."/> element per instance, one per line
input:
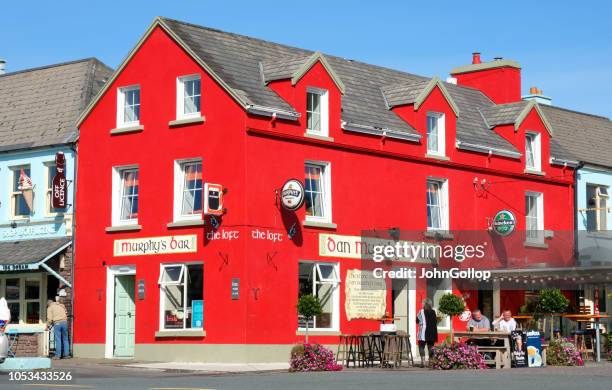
<point x="252" y="157"/>
<point x="502" y="85"/>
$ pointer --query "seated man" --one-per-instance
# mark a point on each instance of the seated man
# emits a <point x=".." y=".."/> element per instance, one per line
<point x="479" y="322"/>
<point x="505" y="322"/>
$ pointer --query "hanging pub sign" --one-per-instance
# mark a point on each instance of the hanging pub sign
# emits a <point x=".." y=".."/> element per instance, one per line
<point x="292" y="194"/>
<point x="504" y="222"/>
<point x="213" y="199"/>
<point x="58" y="193"/>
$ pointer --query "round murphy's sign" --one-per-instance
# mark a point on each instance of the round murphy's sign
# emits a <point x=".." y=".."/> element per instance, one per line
<point x="504" y="222"/>
<point x="292" y="194"/>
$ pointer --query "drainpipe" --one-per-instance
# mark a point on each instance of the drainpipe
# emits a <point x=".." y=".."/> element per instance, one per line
<point x="576" y="246"/>
<point x="74" y="148"/>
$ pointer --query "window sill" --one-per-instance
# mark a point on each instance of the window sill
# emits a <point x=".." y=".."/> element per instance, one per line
<point x="186" y="121"/>
<point x="302" y="332"/>
<point x="437" y="157"/>
<point x="123" y="228"/>
<point x="439" y="234"/>
<point x="534" y="172"/>
<point x="319" y="137"/>
<point x="186" y="223"/>
<point x="180" y="333"/>
<point x="320" y="225"/>
<point x="127" y="130"/>
<point x="538" y="245"/>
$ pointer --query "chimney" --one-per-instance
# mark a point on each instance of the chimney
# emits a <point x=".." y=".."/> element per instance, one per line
<point x="537" y="95"/>
<point x="2" y="65"/>
<point x="499" y="79"/>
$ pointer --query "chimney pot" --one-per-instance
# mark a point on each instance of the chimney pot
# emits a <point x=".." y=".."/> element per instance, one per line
<point x="2" y="65"/>
<point x="533" y="90"/>
<point x="476" y="58"/>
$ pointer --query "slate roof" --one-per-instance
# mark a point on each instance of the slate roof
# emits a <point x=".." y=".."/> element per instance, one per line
<point x="582" y="137"/>
<point x="29" y="251"/>
<point x="39" y="107"/>
<point x="398" y="94"/>
<point x="240" y="61"/>
<point x="503" y="114"/>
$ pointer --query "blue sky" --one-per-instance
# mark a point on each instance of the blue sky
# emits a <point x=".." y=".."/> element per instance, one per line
<point x="565" y="48"/>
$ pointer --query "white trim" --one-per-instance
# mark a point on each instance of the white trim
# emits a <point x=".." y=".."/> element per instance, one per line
<point x="180" y="97"/>
<point x="443" y="200"/>
<point x="117" y="189"/>
<point x="441" y="133"/>
<point x="182" y="281"/>
<point x="179" y="183"/>
<point x="539" y="217"/>
<point x="42" y="296"/>
<point x="16" y="170"/>
<point x="111" y="273"/>
<point x="536" y="152"/>
<point x="327" y="193"/>
<point x="486" y="149"/>
<point x="323" y="111"/>
<point x="121" y="91"/>
<point x="335" y="325"/>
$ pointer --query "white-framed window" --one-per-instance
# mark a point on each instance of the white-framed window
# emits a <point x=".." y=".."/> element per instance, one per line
<point x="317" y="112"/>
<point x="597" y="207"/>
<point x="436" y="289"/>
<point x="50" y="172"/>
<point x="128" y="106"/>
<point x="25" y="295"/>
<point x="22" y="202"/>
<point x="317" y="186"/>
<point x="533" y="151"/>
<point x="534" y="217"/>
<point x="125" y="195"/>
<point x="188" y="96"/>
<point x="437" y="204"/>
<point x="436" y="134"/>
<point x="188" y="189"/>
<point x="181" y="296"/>
<point x="321" y="280"/>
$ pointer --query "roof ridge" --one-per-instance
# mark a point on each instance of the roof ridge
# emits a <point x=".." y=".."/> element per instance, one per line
<point x="575" y="111"/>
<point x="51" y="66"/>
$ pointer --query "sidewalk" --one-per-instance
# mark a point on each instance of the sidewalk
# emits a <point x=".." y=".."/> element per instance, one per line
<point x="214" y="367"/>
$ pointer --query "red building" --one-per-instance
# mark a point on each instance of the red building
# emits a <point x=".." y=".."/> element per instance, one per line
<point x="377" y="150"/>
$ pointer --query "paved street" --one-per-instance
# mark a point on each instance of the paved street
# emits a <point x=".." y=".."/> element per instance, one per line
<point x="114" y="376"/>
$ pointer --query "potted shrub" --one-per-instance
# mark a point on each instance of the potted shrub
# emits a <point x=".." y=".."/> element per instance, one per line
<point x="308" y="306"/>
<point x="551" y="301"/>
<point x="451" y="305"/>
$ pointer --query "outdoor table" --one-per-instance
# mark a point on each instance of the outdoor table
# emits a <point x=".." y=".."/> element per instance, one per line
<point x="588" y="318"/>
<point x="523" y="318"/>
<point x="489" y="335"/>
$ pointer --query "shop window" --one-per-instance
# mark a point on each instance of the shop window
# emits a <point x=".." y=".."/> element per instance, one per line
<point x="188" y="97"/>
<point x="321" y="280"/>
<point x="318" y="191"/>
<point x="22" y="192"/>
<point x="435" y="134"/>
<point x="181" y="296"/>
<point x="24" y="297"/>
<point x="436" y="288"/>
<point x="128" y="106"/>
<point x="597" y="207"/>
<point x="317" y="112"/>
<point x="51" y="170"/>
<point x="437" y="204"/>
<point x="188" y="190"/>
<point x="534" y="217"/>
<point x="126" y="190"/>
<point x="533" y="152"/>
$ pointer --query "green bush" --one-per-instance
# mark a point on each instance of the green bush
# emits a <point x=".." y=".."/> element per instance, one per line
<point x="551" y="301"/>
<point x="451" y="305"/>
<point x="309" y="306"/>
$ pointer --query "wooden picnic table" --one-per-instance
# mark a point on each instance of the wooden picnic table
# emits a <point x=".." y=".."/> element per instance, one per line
<point x="588" y="318"/>
<point x="493" y="336"/>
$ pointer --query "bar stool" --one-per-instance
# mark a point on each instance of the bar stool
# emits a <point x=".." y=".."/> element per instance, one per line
<point x="392" y="351"/>
<point x="583" y="340"/>
<point x="405" y="348"/>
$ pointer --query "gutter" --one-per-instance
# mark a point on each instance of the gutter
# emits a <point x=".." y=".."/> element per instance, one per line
<point x="564" y="162"/>
<point x="385" y="133"/>
<point x="487" y="149"/>
<point x="269" y="111"/>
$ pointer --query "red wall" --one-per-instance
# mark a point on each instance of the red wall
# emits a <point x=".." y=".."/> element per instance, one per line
<point x="252" y="157"/>
<point x="502" y="85"/>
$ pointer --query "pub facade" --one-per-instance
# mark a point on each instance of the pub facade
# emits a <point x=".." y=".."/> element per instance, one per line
<point x="189" y="247"/>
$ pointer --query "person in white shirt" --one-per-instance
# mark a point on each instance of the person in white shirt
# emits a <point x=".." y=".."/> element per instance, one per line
<point x="505" y="322"/>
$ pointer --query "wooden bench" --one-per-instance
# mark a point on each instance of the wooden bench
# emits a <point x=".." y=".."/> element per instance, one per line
<point x="499" y="360"/>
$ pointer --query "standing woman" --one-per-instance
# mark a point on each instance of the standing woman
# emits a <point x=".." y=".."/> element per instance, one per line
<point x="428" y="330"/>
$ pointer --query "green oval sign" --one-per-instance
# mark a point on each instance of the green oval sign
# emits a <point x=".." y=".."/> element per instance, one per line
<point x="504" y="222"/>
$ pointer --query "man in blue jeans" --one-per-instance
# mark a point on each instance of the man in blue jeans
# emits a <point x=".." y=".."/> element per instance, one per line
<point x="58" y="318"/>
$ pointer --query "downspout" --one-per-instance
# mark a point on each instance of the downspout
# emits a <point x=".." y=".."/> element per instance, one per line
<point x="74" y="148"/>
<point x="576" y="235"/>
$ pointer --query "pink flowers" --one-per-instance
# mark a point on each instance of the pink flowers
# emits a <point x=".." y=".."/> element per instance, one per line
<point x="456" y="356"/>
<point x="314" y="357"/>
<point x="563" y="353"/>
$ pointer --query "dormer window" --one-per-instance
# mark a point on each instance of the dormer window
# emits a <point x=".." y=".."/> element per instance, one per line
<point x="435" y="134"/>
<point x="188" y="97"/>
<point x="317" y="112"/>
<point x="533" y="152"/>
<point x="128" y="106"/>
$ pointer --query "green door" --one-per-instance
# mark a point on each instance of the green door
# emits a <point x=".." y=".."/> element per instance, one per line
<point x="125" y="316"/>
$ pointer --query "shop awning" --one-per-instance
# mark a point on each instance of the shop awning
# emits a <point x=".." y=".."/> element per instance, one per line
<point x="29" y="255"/>
<point x="564" y="275"/>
